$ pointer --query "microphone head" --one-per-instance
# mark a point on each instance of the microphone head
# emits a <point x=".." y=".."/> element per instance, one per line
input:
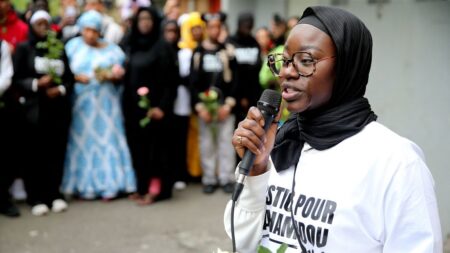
<point x="270" y="101"/>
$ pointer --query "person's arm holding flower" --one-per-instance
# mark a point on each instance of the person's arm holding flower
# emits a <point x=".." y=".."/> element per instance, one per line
<point x="168" y="80"/>
<point x="144" y="103"/>
<point x="67" y="81"/>
<point x="203" y="113"/>
<point x="156" y="113"/>
<point x="113" y="74"/>
<point x="230" y="93"/>
<point x="22" y="79"/>
<point x="195" y="78"/>
<point x="226" y="109"/>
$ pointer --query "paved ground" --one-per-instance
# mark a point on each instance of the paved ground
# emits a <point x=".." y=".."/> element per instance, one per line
<point x="189" y="223"/>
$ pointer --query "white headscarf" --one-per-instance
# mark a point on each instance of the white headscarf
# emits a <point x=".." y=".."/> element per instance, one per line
<point x="40" y="14"/>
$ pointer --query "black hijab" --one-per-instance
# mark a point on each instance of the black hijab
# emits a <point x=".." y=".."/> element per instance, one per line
<point x="164" y="24"/>
<point x="141" y="42"/>
<point x="347" y="112"/>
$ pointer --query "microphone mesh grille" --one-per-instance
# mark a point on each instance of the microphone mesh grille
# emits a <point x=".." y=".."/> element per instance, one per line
<point x="271" y="97"/>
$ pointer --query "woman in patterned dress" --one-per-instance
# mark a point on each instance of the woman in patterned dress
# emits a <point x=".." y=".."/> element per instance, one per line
<point x="98" y="162"/>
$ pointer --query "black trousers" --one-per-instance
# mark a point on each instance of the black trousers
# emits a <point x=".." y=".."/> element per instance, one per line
<point x="8" y="153"/>
<point x="139" y="144"/>
<point x="179" y="133"/>
<point x="44" y="153"/>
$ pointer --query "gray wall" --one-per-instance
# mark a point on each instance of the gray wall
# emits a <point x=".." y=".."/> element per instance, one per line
<point x="409" y="86"/>
<point x="263" y="11"/>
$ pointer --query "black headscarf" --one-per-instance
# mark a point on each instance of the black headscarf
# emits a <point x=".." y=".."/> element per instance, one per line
<point x="167" y="22"/>
<point x="347" y="112"/>
<point x="138" y="41"/>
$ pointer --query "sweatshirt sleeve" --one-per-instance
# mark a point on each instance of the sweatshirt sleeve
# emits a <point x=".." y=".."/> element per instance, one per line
<point x="411" y="212"/>
<point x="249" y="213"/>
<point x="6" y="68"/>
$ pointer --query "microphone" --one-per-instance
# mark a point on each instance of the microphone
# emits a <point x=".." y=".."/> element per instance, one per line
<point x="269" y="105"/>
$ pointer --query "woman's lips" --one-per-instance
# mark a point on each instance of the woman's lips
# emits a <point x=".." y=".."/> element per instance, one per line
<point x="289" y="93"/>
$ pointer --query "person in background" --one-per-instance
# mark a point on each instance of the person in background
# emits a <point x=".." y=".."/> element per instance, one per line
<point x="129" y="8"/>
<point x="139" y="46"/>
<point x="98" y="161"/>
<point x="34" y="6"/>
<point x="64" y="25"/>
<point x="224" y="33"/>
<point x="265" y="43"/>
<point x="192" y="34"/>
<point x="291" y="22"/>
<point x="246" y="52"/>
<point x="67" y="18"/>
<point x="278" y="31"/>
<point x="110" y="31"/>
<point x="172" y="10"/>
<point x="7" y="174"/>
<point x="43" y="81"/>
<point x="150" y="66"/>
<point x="168" y="89"/>
<point x="331" y="179"/>
<point x="12" y="29"/>
<point x="180" y="122"/>
<point x="212" y="78"/>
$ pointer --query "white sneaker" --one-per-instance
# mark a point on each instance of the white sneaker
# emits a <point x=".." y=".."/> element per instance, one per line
<point x="59" y="205"/>
<point x="179" y="185"/>
<point x="39" y="210"/>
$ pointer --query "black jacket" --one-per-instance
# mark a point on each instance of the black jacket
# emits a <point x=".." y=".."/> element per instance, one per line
<point x="246" y="52"/>
<point x="211" y="68"/>
<point x="30" y="63"/>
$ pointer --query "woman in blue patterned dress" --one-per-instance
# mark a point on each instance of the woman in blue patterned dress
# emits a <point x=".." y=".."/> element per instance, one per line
<point x="98" y="162"/>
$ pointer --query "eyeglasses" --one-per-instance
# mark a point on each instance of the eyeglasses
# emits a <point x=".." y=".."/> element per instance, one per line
<point x="303" y="63"/>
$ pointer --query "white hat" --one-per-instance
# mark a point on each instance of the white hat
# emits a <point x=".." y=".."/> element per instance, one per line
<point x="40" y="14"/>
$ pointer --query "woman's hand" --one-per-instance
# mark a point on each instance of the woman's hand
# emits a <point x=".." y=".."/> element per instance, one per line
<point x="117" y="72"/>
<point x="155" y="113"/>
<point x="205" y="116"/>
<point x="53" y="92"/>
<point x="223" y="112"/>
<point x="203" y="113"/>
<point x="45" y="81"/>
<point x="84" y="79"/>
<point x="250" y="135"/>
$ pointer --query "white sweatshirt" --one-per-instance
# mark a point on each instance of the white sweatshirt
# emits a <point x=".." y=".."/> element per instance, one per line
<point x="371" y="193"/>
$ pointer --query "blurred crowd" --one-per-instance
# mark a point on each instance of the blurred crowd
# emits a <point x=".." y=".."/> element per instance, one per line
<point x="94" y="107"/>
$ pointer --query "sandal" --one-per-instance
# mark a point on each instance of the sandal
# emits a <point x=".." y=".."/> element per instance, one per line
<point x="134" y="196"/>
<point x="146" y="200"/>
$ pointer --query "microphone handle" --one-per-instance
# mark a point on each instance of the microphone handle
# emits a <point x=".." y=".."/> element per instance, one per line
<point x="249" y="158"/>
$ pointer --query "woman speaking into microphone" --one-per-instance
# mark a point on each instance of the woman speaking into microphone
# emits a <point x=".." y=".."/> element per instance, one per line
<point x="331" y="179"/>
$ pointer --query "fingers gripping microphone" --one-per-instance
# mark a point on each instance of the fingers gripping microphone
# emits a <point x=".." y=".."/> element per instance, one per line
<point x="269" y="105"/>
